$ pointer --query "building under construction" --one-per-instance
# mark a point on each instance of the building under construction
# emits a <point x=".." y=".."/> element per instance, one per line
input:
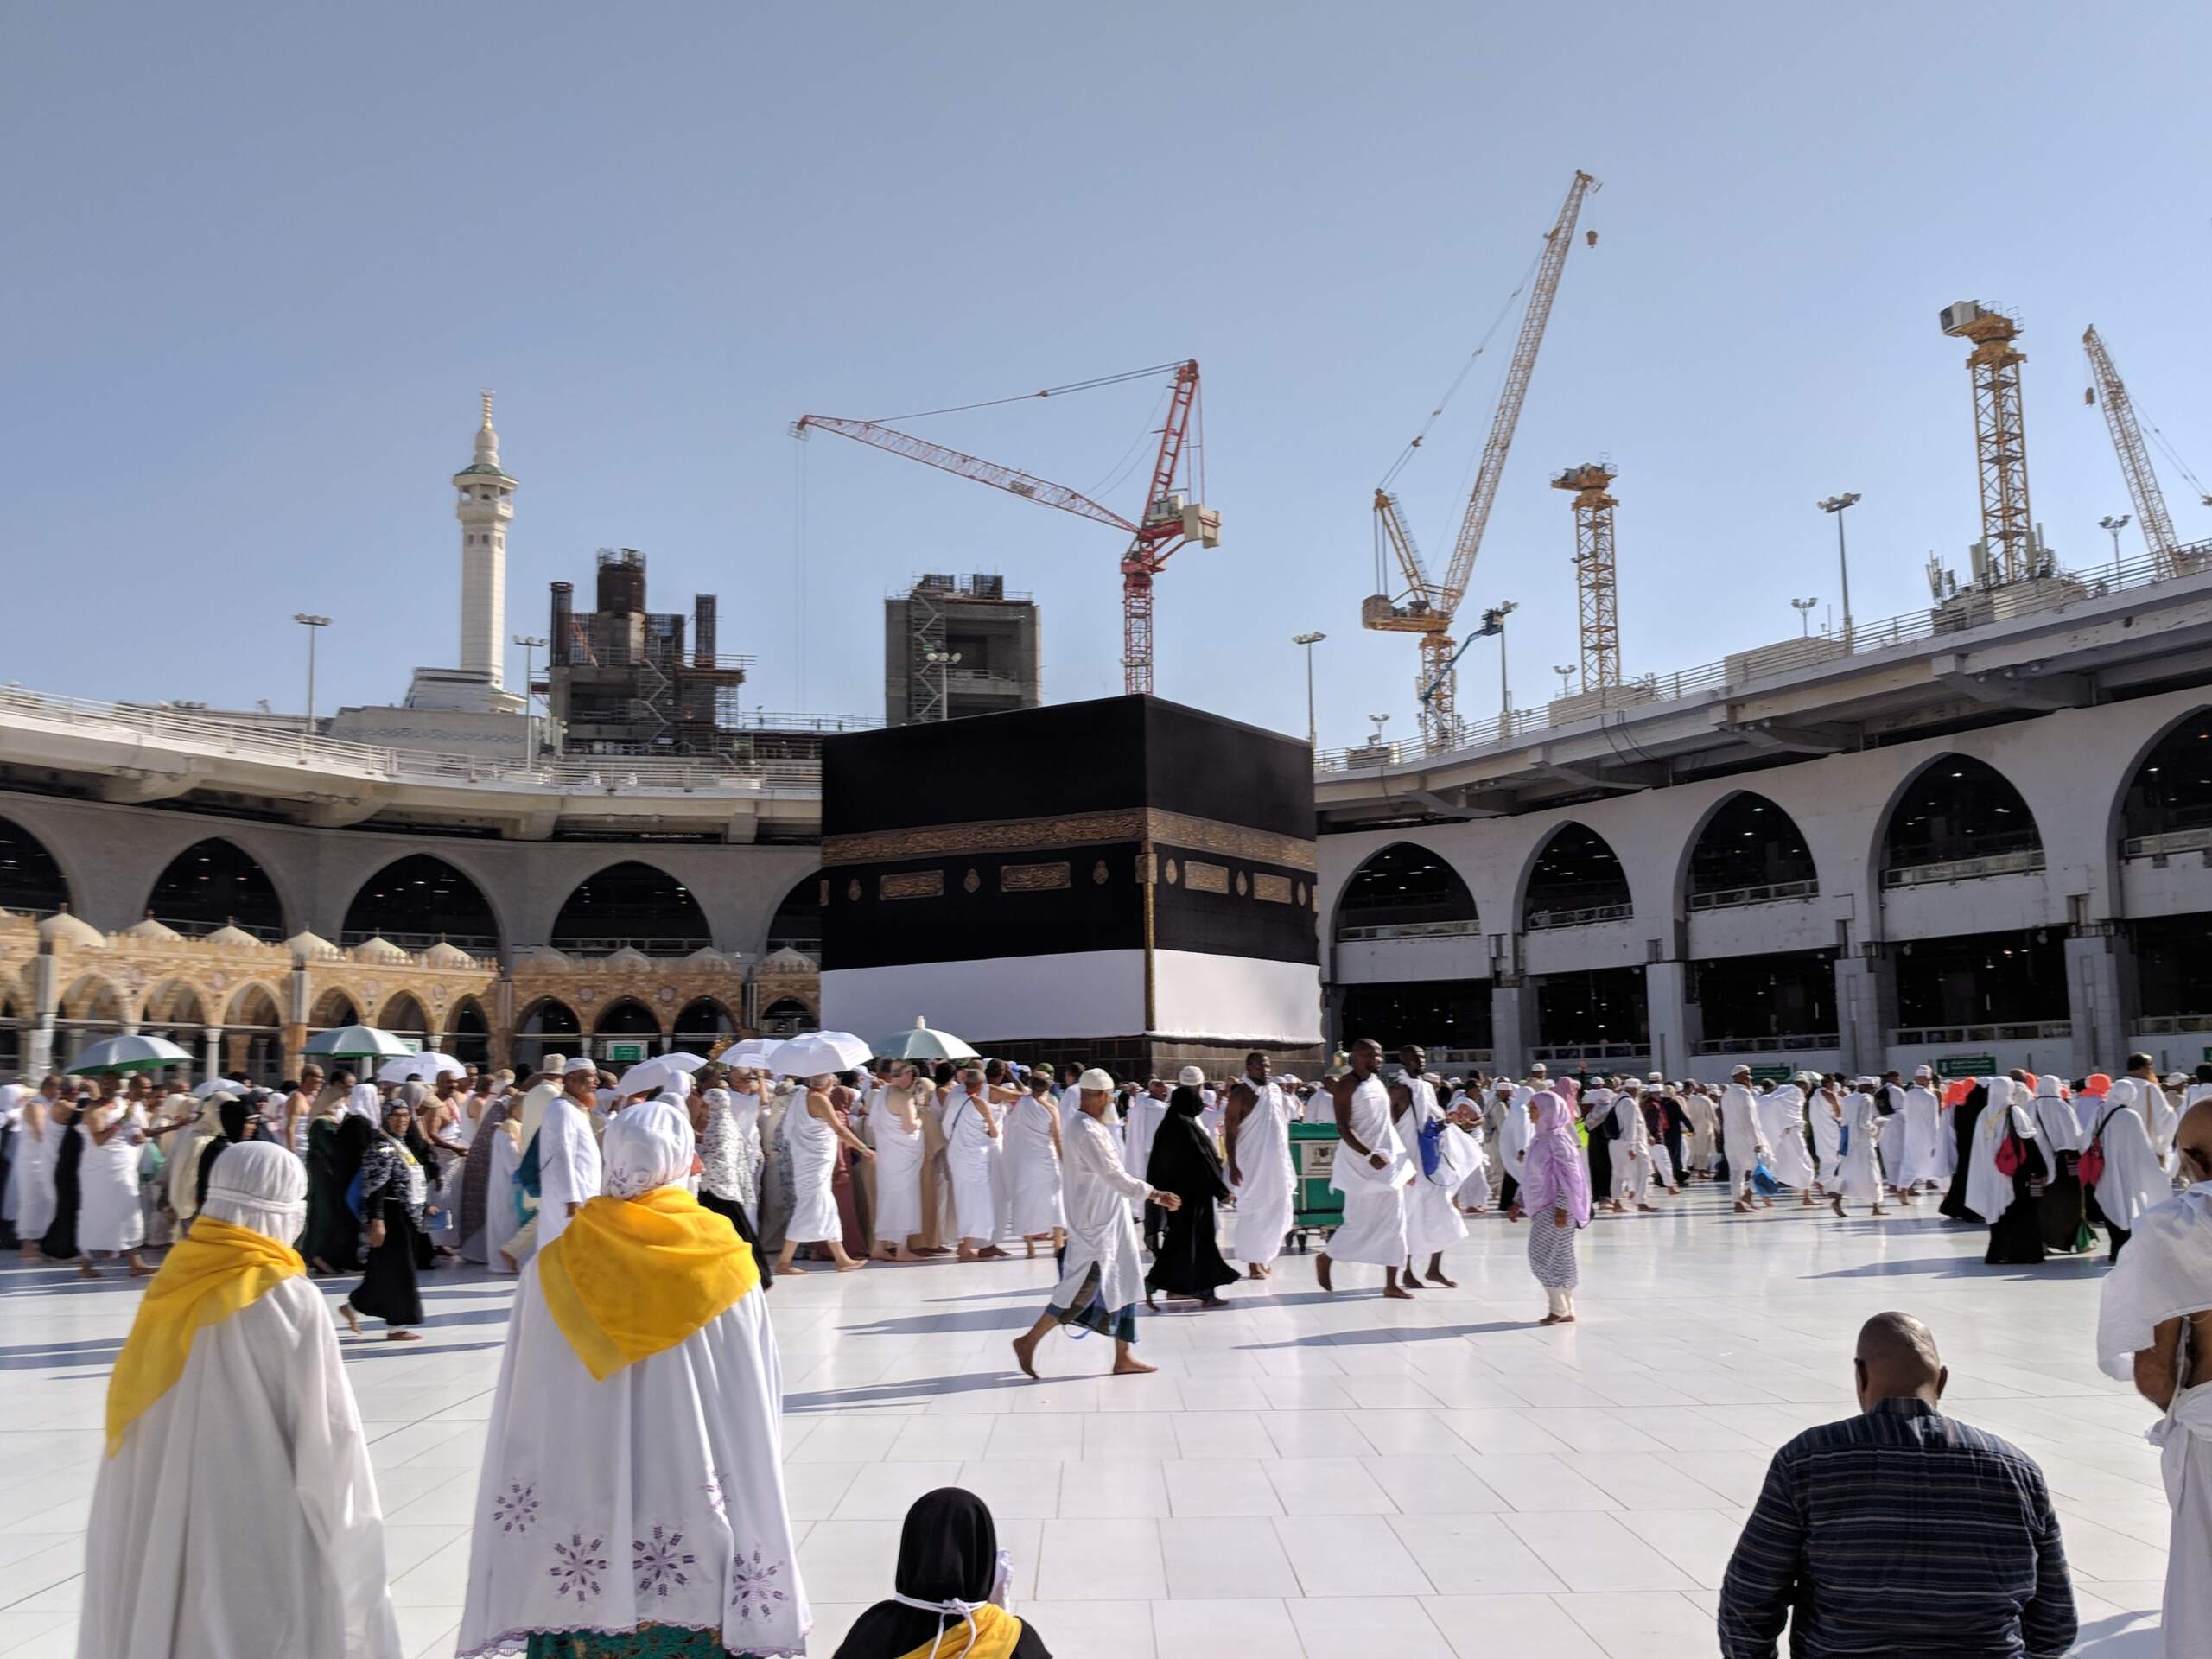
<point x="624" y="680"/>
<point x="958" y="645"/>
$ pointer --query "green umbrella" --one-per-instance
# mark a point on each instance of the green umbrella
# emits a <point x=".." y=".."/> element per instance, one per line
<point x="923" y="1044"/>
<point x="356" y="1043"/>
<point x="128" y="1054"/>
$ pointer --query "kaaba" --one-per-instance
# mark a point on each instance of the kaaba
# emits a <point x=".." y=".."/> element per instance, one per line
<point x="1125" y="882"/>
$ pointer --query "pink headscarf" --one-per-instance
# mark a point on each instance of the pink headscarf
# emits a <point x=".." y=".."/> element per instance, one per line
<point x="1554" y="1176"/>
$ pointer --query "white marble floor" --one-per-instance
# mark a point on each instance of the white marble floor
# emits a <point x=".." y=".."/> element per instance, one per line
<point x="1305" y="1475"/>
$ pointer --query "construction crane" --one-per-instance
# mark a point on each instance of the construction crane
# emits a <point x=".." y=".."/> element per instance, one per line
<point x="2109" y="391"/>
<point x="1171" y="517"/>
<point x="1428" y="605"/>
<point x="1597" y="602"/>
<point x="2008" y="538"/>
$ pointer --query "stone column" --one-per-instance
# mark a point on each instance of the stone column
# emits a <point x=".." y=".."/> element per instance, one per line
<point x="211" y="1048"/>
<point x="1666" y="986"/>
<point x="2097" y="1003"/>
<point x="295" y="1045"/>
<point x="1512" y="1026"/>
<point x="46" y="990"/>
<point x="1866" y="1009"/>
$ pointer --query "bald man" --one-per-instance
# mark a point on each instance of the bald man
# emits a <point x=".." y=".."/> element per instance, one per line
<point x="2155" y="1314"/>
<point x="1900" y="1531"/>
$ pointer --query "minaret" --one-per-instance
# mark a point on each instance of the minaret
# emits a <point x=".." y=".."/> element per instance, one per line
<point x="485" y="504"/>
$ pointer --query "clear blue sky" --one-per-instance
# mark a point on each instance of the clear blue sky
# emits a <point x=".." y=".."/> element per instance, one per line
<point x="258" y="265"/>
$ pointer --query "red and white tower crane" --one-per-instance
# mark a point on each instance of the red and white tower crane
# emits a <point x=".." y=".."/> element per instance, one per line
<point x="1172" y="515"/>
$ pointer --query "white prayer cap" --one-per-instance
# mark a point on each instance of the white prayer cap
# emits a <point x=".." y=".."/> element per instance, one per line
<point x="1538" y="1069"/>
<point x="582" y="1063"/>
<point x="1655" y="1076"/>
<point x="1190" y="1077"/>
<point x="1741" y="1072"/>
<point x="1923" y="1072"/>
<point x="1095" y="1078"/>
<point x="259" y="1184"/>
<point x="552" y="1063"/>
<point x="647" y="1147"/>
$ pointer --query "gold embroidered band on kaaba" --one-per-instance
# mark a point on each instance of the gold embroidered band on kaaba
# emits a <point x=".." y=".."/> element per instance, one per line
<point x="1147" y="824"/>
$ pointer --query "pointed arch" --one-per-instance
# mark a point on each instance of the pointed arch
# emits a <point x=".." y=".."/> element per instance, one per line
<point x="703" y="1022"/>
<point x="334" y="1007"/>
<point x="631" y="903"/>
<point x="786" y="1016"/>
<point x="1951" y="816"/>
<point x="2168" y="790"/>
<point x="30" y="878"/>
<point x="627" y="1016"/>
<point x="174" y="1004"/>
<point x="93" y="999"/>
<point x="549" y="1017"/>
<point x="467" y="1035"/>
<point x="1574" y="877"/>
<point x="419" y="900"/>
<point x="1401" y="889"/>
<point x="797" y="924"/>
<point x="213" y="883"/>
<point x="1746" y="850"/>
<point x="256" y="1005"/>
<point x="403" y="1015"/>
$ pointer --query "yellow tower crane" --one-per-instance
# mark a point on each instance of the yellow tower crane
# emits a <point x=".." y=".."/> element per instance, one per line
<point x="1427" y="607"/>
<point x="2110" y="392"/>
<point x="2007" y="526"/>
<point x="1597" y="601"/>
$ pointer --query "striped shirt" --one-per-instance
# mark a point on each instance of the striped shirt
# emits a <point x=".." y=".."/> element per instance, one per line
<point x="1899" y="1532"/>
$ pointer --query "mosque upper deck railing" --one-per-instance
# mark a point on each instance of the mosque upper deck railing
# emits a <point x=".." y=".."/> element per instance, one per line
<point x="270" y="741"/>
<point x="1967" y="610"/>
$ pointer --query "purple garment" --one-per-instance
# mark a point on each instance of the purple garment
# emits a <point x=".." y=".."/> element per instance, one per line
<point x="1554" y="1176"/>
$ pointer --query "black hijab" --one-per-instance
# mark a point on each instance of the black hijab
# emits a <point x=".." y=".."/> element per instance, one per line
<point x="949" y="1550"/>
<point x="1183" y="1160"/>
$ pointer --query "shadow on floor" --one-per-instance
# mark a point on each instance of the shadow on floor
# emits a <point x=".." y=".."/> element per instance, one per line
<point x="2124" y="1635"/>
<point x="1393" y="1334"/>
<point x="911" y="1392"/>
<point x="53" y="1356"/>
<point x="1952" y="1267"/>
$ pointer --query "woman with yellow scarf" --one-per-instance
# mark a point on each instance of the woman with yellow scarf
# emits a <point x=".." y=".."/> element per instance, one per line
<point x="950" y="1600"/>
<point x="632" y="1502"/>
<point x="233" y="1437"/>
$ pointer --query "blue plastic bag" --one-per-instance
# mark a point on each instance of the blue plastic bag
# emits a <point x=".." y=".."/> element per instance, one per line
<point x="1763" y="1181"/>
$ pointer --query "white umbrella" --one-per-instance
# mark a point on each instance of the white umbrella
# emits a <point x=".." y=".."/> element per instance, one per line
<point x="923" y="1044"/>
<point x="753" y="1051"/>
<point x="430" y="1066"/>
<point x="681" y="1060"/>
<point x="357" y="1043"/>
<point x="217" y="1086"/>
<point x="128" y="1054"/>
<point x="812" y="1053"/>
<point x="646" y="1074"/>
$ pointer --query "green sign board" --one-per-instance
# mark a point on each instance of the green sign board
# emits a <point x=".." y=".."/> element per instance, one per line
<point x="1966" y="1065"/>
<point x="1773" y="1073"/>
<point x="623" y="1053"/>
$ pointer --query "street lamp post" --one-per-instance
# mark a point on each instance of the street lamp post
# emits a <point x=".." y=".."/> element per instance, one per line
<point x="1804" y="609"/>
<point x="1310" y="640"/>
<point x="2115" y="525"/>
<point x="942" y="661"/>
<point x="313" y="624"/>
<point x="529" y="645"/>
<point x="1566" y="672"/>
<point x="1835" y="505"/>
<point x="1494" y="622"/>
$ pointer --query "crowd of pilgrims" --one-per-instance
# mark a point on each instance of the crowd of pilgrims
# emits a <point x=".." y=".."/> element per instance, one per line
<point x="642" y="1228"/>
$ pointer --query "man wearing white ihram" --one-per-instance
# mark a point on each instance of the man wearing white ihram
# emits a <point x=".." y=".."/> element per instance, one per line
<point x="1371" y="1170"/>
<point x="235" y="1514"/>
<point x="971" y="1136"/>
<point x="1741" y="1138"/>
<point x="1255" y="1127"/>
<point x="2154" y="1327"/>
<point x="568" y="1151"/>
<point x="1433" y="1223"/>
<point x="812" y="1132"/>
<point x="1631" y="1150"/>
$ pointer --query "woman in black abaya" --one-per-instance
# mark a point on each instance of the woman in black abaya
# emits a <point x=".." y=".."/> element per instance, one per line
<point x="947" y="1581"/>
<point x="60" y="1243"/>
<point x="395" y="1187"/>
<point x="1184" y="1162"/>
<point x="1963" y="1118"/>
